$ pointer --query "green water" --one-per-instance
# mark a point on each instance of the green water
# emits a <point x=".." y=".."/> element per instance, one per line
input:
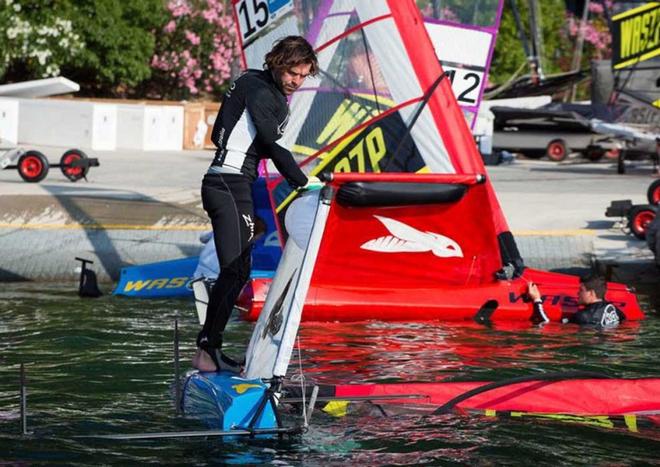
<point x="106" y="366"/>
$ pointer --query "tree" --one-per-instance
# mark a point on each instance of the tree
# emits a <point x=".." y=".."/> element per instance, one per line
<point x="509" y="54"/>
<point x="104" y="45"/>
<point x="119" y="38"/>
<point x="35" y="41"/>
<point x="195" y="50"/>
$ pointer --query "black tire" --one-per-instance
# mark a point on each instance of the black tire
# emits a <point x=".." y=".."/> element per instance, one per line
<point x="556" y="150"/>
<point x="639" y="218"/>
<point x="653" y="193"/>
<point x="73" y="173"/>
<point x="594" y="154"/>
<point x="33" y="166"/>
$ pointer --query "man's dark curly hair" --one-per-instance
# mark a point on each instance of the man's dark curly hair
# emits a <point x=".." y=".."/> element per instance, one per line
<point x="595" y="282"/>
<point x="289" y="52"/>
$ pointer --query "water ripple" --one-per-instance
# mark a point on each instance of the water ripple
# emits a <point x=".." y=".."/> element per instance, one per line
<point x="106" y="366"/>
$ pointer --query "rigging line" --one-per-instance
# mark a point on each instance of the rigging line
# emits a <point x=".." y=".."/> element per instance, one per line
<point x="302" y="381"/>
<point x="549" y="377"/>
<point x="509" y="83"/>
<point x="371" y="72"/>
<point x="416" y="115"/>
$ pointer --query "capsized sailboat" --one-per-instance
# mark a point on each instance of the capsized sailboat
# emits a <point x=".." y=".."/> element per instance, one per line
<point x="249" y="403"/>
<point x="399" y="247"/>
<point x="421" y="236"/>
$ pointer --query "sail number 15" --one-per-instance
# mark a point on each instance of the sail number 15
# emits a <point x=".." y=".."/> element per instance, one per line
<point x="254" y="15"/>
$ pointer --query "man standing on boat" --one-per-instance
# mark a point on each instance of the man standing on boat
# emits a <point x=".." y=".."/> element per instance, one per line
<point x="596" y="311"/>
<point x="252" y="118"/>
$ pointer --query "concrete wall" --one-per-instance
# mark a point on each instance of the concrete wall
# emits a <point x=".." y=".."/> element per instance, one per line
<point x="54" y="122"/>
<point x="9" y="119"/>
<point x="94" y="125"/>
<point x="150" y="127"/>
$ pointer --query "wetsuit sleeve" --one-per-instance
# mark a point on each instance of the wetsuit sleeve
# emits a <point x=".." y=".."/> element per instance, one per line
<point x="539" y="315"/>
<point x="263" y="110"/>
<point x="286" y="165"/>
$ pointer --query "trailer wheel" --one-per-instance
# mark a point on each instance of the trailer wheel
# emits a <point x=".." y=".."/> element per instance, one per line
<point x="68" y="158"/>
<point x="594" y="154"/>
<point x="653" y="194"/>
<point x="556" y="150"/>
<point x="639" y="219"/>
<point x="33" y="166"/>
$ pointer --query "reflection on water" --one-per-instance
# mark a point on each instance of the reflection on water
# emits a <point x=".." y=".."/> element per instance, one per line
<point x="106" y="366"/>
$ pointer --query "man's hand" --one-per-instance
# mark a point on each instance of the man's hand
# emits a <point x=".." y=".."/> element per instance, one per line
<point x="313" y="183"/>
<point x="533" y="291"/>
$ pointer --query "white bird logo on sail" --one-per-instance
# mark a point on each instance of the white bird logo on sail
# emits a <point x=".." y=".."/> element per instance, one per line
<point x="408" y="239"/>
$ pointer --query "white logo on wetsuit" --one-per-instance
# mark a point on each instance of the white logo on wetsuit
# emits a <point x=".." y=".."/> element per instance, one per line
<point x="609" y="317"/>
<point x="408" y="239"/>
<point x="282" y="126"/>
<point x="250" y="225"/>
<point x="231" y="88"/>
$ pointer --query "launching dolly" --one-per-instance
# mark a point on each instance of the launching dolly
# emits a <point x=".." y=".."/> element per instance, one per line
<point x="639" y="216"/>
<point x="33" y="165"/>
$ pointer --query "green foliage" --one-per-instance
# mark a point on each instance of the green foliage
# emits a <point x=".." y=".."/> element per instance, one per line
<point x="509" y="53"/>
<point x="119" y="43"/>
<point x="105" y="45"/>
<point x="35" y="41"/>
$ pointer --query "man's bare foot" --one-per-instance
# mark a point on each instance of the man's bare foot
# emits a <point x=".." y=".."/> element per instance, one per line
<point x="203" y="361"/>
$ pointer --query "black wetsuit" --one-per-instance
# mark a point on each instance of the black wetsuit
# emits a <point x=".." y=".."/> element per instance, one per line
<point x="252" y="118"/>
<point x="599" y="314"/>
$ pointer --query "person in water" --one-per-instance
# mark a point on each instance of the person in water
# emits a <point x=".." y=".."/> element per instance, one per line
<point x="253" y="116"/>
<point x="595" y="310"/>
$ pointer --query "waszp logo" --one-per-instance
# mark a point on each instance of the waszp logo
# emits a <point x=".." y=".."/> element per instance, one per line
<point x="404" y="238"/>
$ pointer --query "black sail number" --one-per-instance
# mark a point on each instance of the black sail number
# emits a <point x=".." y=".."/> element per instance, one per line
<point x="255" y="19"/>
<point x="463" y="83"/>
<point x="463" y="97"/>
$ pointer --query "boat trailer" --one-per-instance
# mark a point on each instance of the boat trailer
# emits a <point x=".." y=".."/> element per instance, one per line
<point x="33" y="166"/>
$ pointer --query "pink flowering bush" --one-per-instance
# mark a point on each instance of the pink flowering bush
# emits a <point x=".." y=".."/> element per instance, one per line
<point x="195" y="49"/>
<point x="597" y="37"/>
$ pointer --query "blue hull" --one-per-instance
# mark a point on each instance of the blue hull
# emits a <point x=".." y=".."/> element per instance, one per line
<point x="165" y="279"/>
<point x="223" y="401"/>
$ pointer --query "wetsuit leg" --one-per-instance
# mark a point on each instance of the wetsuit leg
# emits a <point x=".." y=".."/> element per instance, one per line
<point x="228" y="202"/>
